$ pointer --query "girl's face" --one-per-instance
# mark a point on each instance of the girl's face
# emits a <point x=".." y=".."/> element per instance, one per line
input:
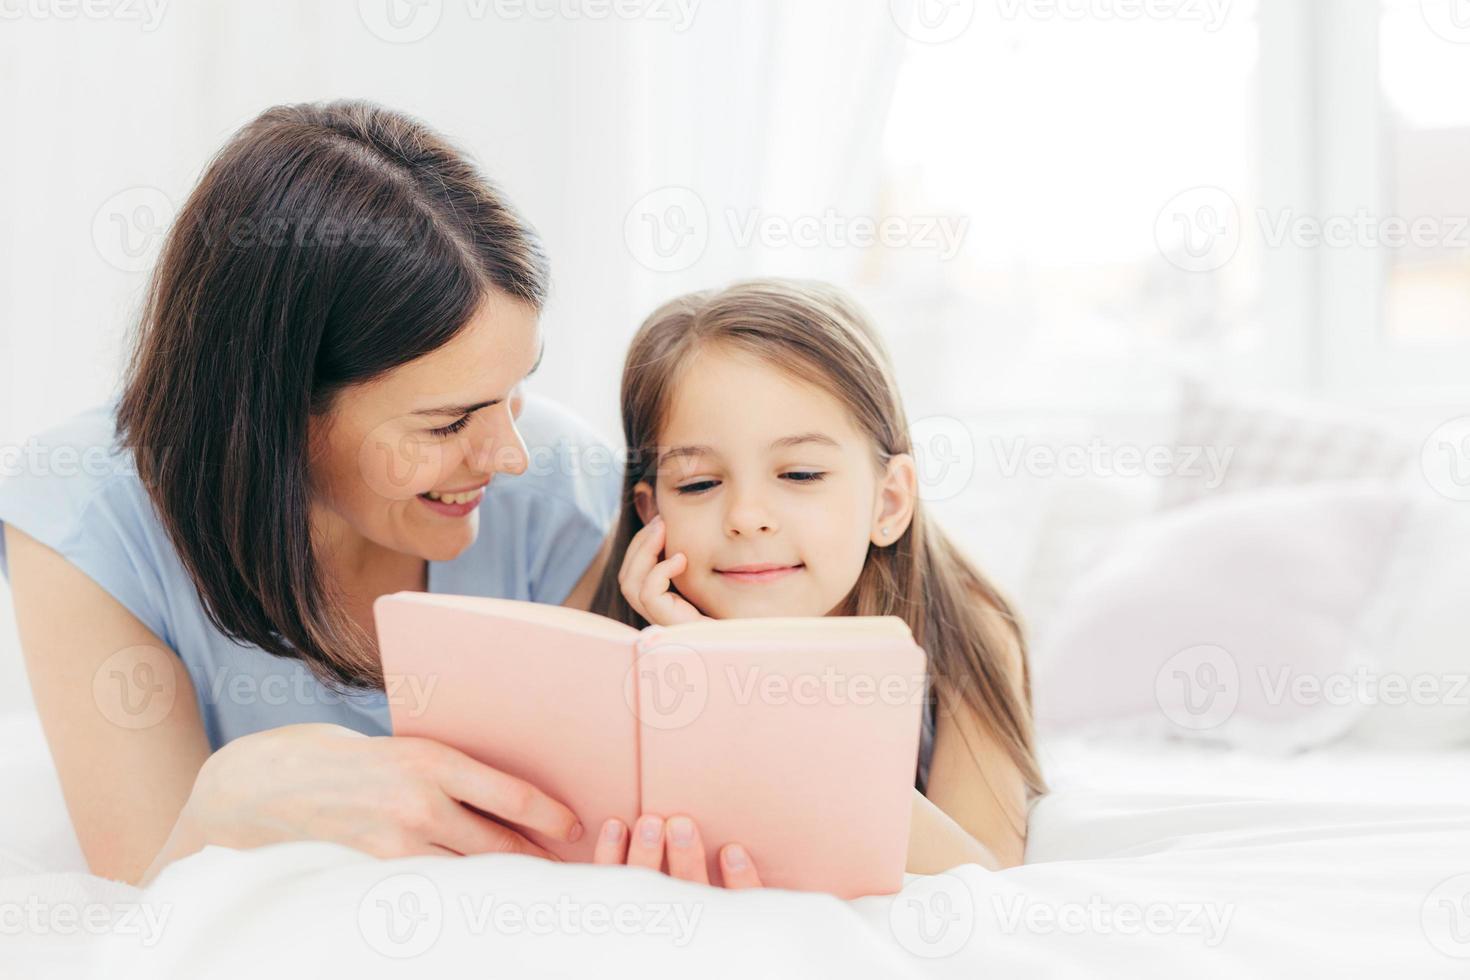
<point x="770" y="490"/>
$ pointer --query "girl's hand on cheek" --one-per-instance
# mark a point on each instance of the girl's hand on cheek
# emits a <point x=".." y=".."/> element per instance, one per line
<point x="653" y="837"/>
<point x="645" y="578"/>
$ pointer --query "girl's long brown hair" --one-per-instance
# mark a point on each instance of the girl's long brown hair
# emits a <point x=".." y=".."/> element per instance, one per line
<point x="815" y="332"/>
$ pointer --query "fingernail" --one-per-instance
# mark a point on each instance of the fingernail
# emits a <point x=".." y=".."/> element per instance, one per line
<point x="612" y="831"/>
<point x="681" y="831"/>
<point x="648" y="830"/>
<point x="577" y="831"/>
<point x="735" y="858"/>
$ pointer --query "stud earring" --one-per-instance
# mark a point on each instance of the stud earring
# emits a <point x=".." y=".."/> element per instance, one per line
<point x="885" y="532"/>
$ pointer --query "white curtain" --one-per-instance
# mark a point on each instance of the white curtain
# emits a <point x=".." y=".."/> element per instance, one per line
<point x="766" y="111"/>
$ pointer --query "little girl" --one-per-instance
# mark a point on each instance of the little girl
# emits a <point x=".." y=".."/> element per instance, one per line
<point x="769" y="461"/>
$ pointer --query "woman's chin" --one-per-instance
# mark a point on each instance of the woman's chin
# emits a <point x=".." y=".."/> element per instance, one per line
<point x="446" y="544"/>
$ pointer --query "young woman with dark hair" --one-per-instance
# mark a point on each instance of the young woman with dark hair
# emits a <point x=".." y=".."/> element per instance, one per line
<point x="328" y="378"/>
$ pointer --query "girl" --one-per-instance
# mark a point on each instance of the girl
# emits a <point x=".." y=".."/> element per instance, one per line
<point x="770" y="474"/>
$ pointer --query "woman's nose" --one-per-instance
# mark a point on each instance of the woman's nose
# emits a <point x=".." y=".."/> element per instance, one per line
<point x="500" y="449"/>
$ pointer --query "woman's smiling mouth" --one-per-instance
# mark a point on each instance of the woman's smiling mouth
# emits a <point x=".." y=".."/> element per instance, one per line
<point x="767" y="572"/>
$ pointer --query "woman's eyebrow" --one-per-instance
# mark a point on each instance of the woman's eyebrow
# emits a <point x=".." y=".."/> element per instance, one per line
<point x="456" y="409"/>
<point x="467" y="409"/>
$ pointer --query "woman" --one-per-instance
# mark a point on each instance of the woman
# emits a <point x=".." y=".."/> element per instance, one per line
<point x="323" y="406"/>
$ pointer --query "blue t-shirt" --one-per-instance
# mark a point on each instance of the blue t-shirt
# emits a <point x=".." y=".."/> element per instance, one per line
<point x="72" y="490"/>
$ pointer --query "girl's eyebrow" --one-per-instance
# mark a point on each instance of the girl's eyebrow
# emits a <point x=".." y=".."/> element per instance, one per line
<point x="803" y="438"/>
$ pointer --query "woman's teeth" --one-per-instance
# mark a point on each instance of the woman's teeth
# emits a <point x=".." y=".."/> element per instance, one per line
<point x="453" y="498"/>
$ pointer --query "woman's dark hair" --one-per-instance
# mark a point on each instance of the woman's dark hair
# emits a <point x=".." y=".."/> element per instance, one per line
<point x="324" y="245"/>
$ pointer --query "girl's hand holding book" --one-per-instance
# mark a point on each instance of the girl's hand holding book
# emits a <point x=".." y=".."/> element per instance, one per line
<point x="678" y="838"/>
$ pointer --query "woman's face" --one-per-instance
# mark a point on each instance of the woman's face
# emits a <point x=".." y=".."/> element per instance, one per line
<point x="441" y="426"/>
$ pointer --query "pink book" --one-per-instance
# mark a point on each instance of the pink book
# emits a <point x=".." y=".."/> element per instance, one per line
<point x="797" y="738"/>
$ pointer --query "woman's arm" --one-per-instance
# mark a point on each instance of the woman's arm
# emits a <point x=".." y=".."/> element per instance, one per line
<point x="974" y="782"/>
<point x="116" y="705"/>
<point x="143" y="789"/>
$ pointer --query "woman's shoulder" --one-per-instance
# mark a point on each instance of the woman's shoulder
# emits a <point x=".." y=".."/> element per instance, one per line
<point x="74" y="489"/>
<point x="51" y="481"/>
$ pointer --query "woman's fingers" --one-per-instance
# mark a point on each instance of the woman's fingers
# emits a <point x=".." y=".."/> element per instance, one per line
<point x="646" y="849"/>
<point x="506" y="797"/>
<point x="463" y="830"/>
<point x="685" y="850"/>
<point x="612" y="843"/>
<point x="737" y="870"/>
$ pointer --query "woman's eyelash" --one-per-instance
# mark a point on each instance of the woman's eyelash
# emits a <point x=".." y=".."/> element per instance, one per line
<point x="452" y="427"/>
<point x="805" y="476"/>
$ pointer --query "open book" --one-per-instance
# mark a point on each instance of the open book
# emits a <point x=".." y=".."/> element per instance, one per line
<point x="798" y="738"/>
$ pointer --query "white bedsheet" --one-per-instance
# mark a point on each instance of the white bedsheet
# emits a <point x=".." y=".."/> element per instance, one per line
<point x="1119" y="882"/>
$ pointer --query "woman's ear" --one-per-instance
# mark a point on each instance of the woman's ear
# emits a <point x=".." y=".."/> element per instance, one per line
<point x="644" y="502"/>
<point x="898" y="494"/>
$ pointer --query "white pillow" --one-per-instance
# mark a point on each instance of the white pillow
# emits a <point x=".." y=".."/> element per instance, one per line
<point x="1425" y="614"/>
<point x="1229" y="442"/>
<point x="1235" y="620"/>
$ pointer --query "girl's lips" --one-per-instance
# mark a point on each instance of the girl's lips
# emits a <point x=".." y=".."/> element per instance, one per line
<point x="452" y="510"/>
<point x="758" y="573"/>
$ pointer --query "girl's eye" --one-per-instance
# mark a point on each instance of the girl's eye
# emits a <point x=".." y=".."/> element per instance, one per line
<point x="451" y="428"/>
<point x="804" y="476"/>
<point x="699" y="486"/>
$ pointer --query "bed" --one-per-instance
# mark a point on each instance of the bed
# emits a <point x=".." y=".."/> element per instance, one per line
<point x="1290" y="839"/>
<point x="1145" y="860"/>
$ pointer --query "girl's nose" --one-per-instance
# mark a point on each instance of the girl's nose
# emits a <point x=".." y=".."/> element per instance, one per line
<point x="747" y="517"/>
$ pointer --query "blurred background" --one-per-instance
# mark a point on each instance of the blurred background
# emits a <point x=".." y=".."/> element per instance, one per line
<point x="1132" y="257"/>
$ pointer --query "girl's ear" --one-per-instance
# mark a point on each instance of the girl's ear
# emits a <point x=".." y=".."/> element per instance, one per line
<point x="898" y="494"/>
<point x="644" y="502"/>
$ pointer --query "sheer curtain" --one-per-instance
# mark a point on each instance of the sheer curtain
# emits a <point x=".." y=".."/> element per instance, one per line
<point x="765" y="114"/>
